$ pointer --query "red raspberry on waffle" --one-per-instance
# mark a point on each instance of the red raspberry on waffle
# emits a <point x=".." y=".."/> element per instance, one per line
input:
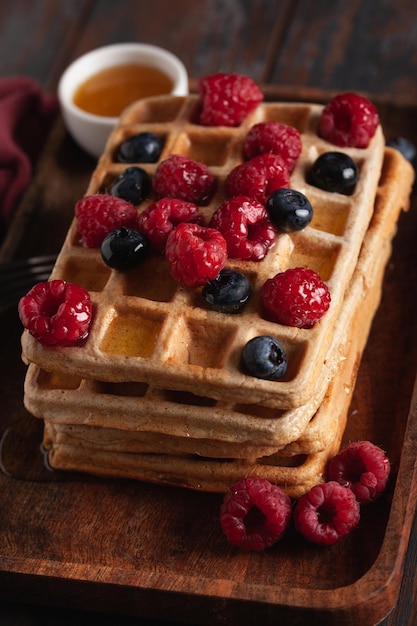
<point x="258" y="178"/>
<point x="349" y="120"/>
<point x="227" y="99"/>
<point x="275" y="138"/>
<point x="177" y="176"/>
<point x="99" y="214"/>
<point x="56" y="313"/>
<point x="160" y="217"/>
<point x="195" y="254"/>
<point x="245" y="225"/>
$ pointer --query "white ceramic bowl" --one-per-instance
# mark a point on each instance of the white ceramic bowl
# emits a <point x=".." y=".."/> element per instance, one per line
<point x="91" y="131"/>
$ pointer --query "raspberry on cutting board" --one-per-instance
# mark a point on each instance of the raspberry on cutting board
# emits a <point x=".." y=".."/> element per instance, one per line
<point x="327" y="513"/>
<point x="363" y="467"/>
<point x="255" y="514"/>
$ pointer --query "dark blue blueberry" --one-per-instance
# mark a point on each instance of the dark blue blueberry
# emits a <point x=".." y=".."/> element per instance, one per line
<point x="124" y="248"/>
<point x="334" y="171"/>
<point x="132" y="185"/>
<point x="228" y="292"/>
<point x="403" y="145"/>
<point x="141" y="148"/>
<point x="289" y="210"/>
<point x="264" y="357"/>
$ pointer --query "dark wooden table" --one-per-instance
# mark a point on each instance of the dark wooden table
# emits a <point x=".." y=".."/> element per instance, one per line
<point x="312" y="45"/>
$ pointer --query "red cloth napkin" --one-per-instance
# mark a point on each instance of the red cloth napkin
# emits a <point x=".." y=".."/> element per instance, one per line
<point x="26" y="116"/>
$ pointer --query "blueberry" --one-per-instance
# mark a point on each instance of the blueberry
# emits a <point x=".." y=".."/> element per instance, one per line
<point x="141" y="148"/>
<point x="132" y="185"/>
<point x="403" y="145"/>
<point x="264" y="357"/>
<point x="228" y="292"/>
<point x="334" y="171"/>
<point x="124" y="248"/>
<point x="289" y="209"/>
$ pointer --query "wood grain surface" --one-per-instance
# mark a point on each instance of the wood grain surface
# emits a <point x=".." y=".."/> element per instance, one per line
<point x="303" y="48"/>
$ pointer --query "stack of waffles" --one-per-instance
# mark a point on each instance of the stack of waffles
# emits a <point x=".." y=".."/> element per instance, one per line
<point x="157" y="392"/>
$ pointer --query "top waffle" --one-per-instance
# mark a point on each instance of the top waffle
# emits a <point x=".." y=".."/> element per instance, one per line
<point x="149" y="330"/>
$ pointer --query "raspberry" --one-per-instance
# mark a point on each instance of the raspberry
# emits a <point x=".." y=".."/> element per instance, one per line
<point x="56" y="313"/>
<point x="227" y="99"/>
<point x="327" y="513"/>
<point x="348" y="120"/>
<point x="245" y="225"/>
<point x="255" y="514"/>
<point x="195" y="254"/>
<point x="99" y="214"/>
<point x="296" y="297"/>
<point x="160" y="217"/>
<point x="275" y="138"/>
<point x="258" y="178"/>
<point x="363" y="467"/>
<point x="180" y="177"/>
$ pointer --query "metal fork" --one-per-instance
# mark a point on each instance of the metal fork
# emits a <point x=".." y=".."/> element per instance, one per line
<point x="18" y="276"/>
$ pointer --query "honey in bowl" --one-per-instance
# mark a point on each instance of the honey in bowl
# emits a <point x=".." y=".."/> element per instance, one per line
<point x="110" y="91"/>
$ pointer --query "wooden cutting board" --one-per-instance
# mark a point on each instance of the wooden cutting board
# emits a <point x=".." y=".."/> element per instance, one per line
<point x="127" y="547"/>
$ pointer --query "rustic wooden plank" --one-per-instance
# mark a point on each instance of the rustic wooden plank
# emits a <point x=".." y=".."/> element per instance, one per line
<point x="209" y="35"/>
<point x="374" y="42"/>
<point x="34" y="36"/>
<point x="152" y="537"/>
<point x="405" y="610"/>
<point x="368" y="46"/>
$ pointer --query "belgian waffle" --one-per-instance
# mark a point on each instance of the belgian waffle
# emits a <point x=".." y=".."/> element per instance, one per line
<point x="131" y="436"/>
<point x="210" y="464"/>
<point x="157" y="393"/>
<point x="150" y="331"/>
<point x="124" y="436"/>
<point x="188" y="425"/>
